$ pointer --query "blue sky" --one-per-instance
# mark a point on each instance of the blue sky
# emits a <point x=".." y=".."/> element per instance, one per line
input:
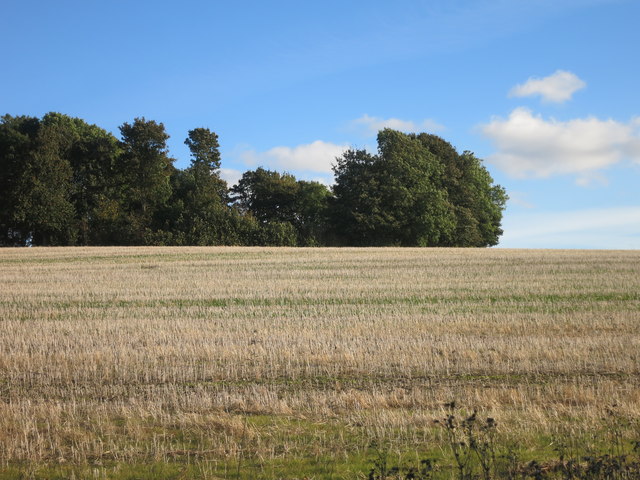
<point x="545" y="91"/>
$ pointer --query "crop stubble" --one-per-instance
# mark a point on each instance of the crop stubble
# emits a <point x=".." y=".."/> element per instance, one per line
<point x="128" y="354"/>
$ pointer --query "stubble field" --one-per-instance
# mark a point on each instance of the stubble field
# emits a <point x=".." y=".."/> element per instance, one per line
<point x="325" y="363"/>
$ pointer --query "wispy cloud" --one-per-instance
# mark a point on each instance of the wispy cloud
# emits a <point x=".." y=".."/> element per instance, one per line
<point x="317" y="157"/>
<point x="370" y="126"/>
<point x="530" y="146"/>
<point x="557" y="88"/>
<point x="615" y="227"/>
<point x="520" y="199"/>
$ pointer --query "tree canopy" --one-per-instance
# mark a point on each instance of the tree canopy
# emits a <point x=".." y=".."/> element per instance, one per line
<point x="417" y="191"/>
<point x="66" y="182"/>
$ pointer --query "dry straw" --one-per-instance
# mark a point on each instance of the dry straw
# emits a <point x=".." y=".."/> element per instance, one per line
<point x="138" y="353"/>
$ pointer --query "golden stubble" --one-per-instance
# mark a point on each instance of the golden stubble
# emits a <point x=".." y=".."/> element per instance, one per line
<point x="110" y="352"/>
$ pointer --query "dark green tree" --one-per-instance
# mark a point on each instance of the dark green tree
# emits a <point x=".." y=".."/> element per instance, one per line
<point x="291" y="212"/>
<point x="37" y="180"/>
<point x="478" y="203"/>
<point x="312" y="213"/>
<point x="198" y="210"/>
<point x="267" y="195"/>
<point x="65" y="182"/>
<point x="17" y="144"/>
<point x="144" y="169"/>
<point x="204" y="147"/>
<point x="393" y="198"/>
<point x="357" y="211"/>
<point x="209" y="190"/>
<point x="93" y="155"/>
<point x="416" y="202"/>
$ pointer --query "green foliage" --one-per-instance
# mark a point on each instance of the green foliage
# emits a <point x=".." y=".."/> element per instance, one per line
<point x="477" y="202"/>
<point x="290" y="212"/>
<point x="144" y="169"/>
<point x="197" y="211"/>
<point x="17" y="141"/>
<point x="417" y="191"/>
<point x="357" y="213"/>
<point x="36" y="180"/>
<point x="66" y="182"/>
<point x="413" y="194"/>
<point x="92" y="157"/>
<point x="269" y="196"/>
<point x="312" y="210"/>
<point x="209" y="189"/>
<point x="203" y="144"/>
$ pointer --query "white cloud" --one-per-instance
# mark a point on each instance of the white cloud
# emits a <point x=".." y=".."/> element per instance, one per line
<point x="230" y="175"/>
<point x="615" y="228"/>
<point x="558" y="87"/>
<point x="372" y="125"/>
<point x="530" y="146"/>
<point x="317" y="156"/>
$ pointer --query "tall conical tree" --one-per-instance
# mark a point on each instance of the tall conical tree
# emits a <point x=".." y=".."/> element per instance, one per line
<point x="200" y="209"/>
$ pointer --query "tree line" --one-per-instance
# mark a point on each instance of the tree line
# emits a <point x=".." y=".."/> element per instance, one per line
<point x="66" y="182"/>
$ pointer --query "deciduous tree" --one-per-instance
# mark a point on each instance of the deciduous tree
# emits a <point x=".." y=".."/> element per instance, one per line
<point x="417" y="191"/>
<point x="144" y="168"/>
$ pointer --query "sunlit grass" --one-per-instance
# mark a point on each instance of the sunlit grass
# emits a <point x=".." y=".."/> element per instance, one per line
<point x="269" y="362"/>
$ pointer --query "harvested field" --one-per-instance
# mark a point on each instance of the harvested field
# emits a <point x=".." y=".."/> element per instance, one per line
<point x="220" y="362"/>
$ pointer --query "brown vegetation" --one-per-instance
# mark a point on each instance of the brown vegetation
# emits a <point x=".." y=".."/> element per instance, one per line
<point x="136" y="354"/>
